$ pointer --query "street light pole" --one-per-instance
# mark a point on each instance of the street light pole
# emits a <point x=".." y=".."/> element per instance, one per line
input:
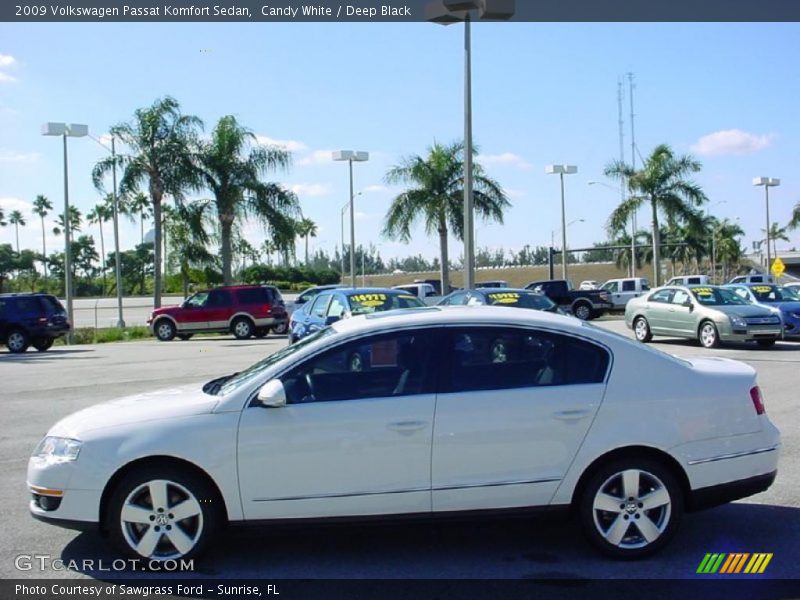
<point x="767" y="182"/>
<point x="117" y="269"/>
<point x="350" y="156"/>
<point x="561" y="170"/>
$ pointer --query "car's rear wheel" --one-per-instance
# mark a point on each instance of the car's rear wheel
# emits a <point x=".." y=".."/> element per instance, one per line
<point x="641" y="329"/>
<point x="281" y="328"/>
<point x="631" y="508"/>
<point x="43" y="344"/>
<point x="243" y="328"/>
<point x="165" y="330"/>
<point x="17" y="341"/>
<point x="765" y="343"/>
<point x="163" y="514"/>
<point x="583" y="311"/>
<point x="708" y="335"/>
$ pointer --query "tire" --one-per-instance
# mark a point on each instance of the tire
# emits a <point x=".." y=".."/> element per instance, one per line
<point x="614" y="509"/>
<point x="164" y="330"/>
<point x="708" y="335"/>
<point x="765" y="343"/>
<point x="138" y="529"/>
<point x="281" y="328"/>
<point x="242" y="328"/>
<point x="43" y="344"/>
<point x="261" y="333"/>
<point x="185" y="336"/>
<point x="17" y="341"/>
<point x="641" y="329"/>
<point x="582" y="310"/>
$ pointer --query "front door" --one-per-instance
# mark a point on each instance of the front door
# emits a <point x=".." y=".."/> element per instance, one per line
<point x="354" y="437"/>
<point x="681" y="317"/>
<point x="515" y="407"/>
<point x="194" y="316"/>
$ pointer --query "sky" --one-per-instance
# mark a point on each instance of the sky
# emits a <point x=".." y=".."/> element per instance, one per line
<point x="543" y="93"/>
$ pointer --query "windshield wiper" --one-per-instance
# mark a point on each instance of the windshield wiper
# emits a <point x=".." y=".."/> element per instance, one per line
<point x="212" y="387"/>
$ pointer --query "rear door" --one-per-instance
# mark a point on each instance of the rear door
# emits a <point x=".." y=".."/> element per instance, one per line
<point x="219" y="309"/>
<point x="514" y="406"/>
<point x="657" y="310"/>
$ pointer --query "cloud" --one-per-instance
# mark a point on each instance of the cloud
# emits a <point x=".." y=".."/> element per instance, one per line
<point x="23" y="157"/>
<point x="6" y="78"/>
<point x="375" y="188"/>
<point x="310" y="189"/>
<point x="318" y="157"/>
<point x="6" y="60"/>
<point x="731" y="141"/>
<point x="10" y="204"/>
<point x="506" y="158"/>
<point x="290" y="145"/>
<point x="361" y="216"/>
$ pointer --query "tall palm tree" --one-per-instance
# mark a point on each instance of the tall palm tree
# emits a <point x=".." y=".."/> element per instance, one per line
<point x="75" y="218"/>
<point x="662" y="182"/>
<point x="231" y="165"/>
<point x="306" y="228"/>
<point x="189" y="237"/>
<point x="776" y="232"/>
<point x="159" y="139"/>
<point x="794" y="223"/>
<point x="138" y="205"/>
<point x="41" y="207"/>
<point x="436" y="196"/>
<point x="727" y="248"/>
<point x="16" y="218"/>
<point x="102" y="213"/>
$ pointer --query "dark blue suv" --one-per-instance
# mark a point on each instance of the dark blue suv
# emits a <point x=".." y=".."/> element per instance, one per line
<point x="31" y="320"/>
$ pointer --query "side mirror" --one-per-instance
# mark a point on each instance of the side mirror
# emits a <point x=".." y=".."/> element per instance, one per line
<point x="331" y="319"/>
<point x="272" y="394"/>
<point x="689" y="304"/>
<point x="299" y="301"/>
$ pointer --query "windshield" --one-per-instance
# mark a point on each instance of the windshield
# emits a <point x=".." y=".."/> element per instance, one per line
<point x="708" y="296"/>
<point x="770" y="293"/>
<point x="365" y="304"/>
<point x="237" y="380"/>
<point x="520" y="300"/>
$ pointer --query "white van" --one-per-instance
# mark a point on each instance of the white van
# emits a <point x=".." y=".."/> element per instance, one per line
<point x="690" y="280"/>
<point x="620" y="291"/>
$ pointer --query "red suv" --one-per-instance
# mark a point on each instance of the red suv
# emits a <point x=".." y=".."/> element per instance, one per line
<point x="243" y="310"/>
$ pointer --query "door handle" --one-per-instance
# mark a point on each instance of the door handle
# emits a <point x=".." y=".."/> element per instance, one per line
<point x="407" y="426"/>
<point x="571" y="415"/>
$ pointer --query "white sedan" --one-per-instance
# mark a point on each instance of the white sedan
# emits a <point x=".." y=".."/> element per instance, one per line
<point x="421" y="412"/>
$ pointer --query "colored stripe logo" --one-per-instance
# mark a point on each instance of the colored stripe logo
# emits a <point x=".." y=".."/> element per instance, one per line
<point x="734" y="563"/>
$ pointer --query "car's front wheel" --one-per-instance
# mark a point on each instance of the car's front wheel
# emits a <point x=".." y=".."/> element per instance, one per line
<point x="631" y="508"/>
<point x="709" y="336"/>
<point x="281" y="328"/>
<point x="163" y="514"/>
<point x="242" y="328"/>
<point x="17" y="341"/>
<point x="165" y="330"/>
<point x="641" y="329"/>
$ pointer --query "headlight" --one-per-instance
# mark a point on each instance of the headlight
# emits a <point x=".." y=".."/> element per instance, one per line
<point x="58" y="449"/>
<point x="738" y="321"/>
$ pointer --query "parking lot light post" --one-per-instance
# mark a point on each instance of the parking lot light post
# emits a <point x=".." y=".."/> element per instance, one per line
<point x="65" y="130"/>
<point x="350" y="156"/>
<point x="562" y="170"/>
<point x="767" y="182"/>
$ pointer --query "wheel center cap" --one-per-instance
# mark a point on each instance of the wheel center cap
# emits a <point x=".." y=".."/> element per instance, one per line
<point x="162" y="519"/>
<point x="630" y="507"/>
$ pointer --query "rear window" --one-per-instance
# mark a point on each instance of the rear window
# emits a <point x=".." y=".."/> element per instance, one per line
<point x="25" y="305"/>
<point x="520" y="300"/>
<point x="51" y="304"/>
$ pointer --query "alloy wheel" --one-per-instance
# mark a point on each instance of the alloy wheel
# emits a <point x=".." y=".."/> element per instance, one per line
<point x="16" y="342"/>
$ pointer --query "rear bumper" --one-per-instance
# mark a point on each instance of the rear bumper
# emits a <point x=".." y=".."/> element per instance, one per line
<point x="728" y="492"/>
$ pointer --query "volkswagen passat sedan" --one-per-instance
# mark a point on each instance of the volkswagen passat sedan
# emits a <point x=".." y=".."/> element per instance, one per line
<point x="706" y="313"/>
<point x="438" y="421"/>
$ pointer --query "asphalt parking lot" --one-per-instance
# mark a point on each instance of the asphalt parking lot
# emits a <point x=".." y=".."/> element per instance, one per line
<point x="40" y="388"/>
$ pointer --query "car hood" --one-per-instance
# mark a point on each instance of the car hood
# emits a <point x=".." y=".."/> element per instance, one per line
<point x="746" y="310"/>
<point x="167" y="310"/>
<point x="163" y="404"/>
<point x="787" y="306"/>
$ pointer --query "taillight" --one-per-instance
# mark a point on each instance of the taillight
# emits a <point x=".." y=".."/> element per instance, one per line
<point x="42" y="319"/>
<point x="758" y="400"/>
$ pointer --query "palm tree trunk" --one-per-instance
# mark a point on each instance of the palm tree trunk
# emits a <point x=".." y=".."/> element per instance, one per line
<point x="185" y="279"/>
<point x="306" y="250"/>
<point x="156" y="193"/>
<point x="16" y="229"/>
<point x="44" y="255"/>
<point x="656" y="245"/>
<point x="103" y="257"/>
<point x="443" y="257"/>
<point x="225" y="227"/>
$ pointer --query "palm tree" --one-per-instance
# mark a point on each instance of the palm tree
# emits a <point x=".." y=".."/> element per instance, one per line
<point x="436" y="196"/>
<point x="727" y="247"/>
<point x="775" y="233"/>
<point x="306" y="228"/>
<point x="662" y="183"/>
<point x="159" y="139"/>
<point x="41" y="207"/>
<point x="16" y="218"/>
<point x="100" y="214"/>
<point x="2" y="217"/>
<point x="189" y="237"/>
<point x="137" y="204"/>
<point x="75" y="219"/>
<point x="794" y="223"/>
<point x="231" y="166"/>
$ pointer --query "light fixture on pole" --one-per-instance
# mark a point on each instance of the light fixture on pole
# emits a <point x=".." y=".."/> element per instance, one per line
<point x="562" y="170"/>
<point x="633" y="226"/>
<point x="767" y="182"/>
<point x="447" y="12"/>
<point x="66" y="130"/>
<point x="115" y="218"/>
<point x="352" y="156"/>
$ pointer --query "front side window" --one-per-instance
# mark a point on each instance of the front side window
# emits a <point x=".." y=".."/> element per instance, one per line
<point x="457" y="299"/>
<point x="397" y="364"/>
<point x="611" y="286"/>
<point x="336" y="308"/>
<point x="505" y="358"/>
<point x="320" y="305"/>
<point x="198" y="300"/>
<point x="680" y="297"/>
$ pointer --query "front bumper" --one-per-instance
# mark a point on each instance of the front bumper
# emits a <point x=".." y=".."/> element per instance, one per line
<point x="751" y="333"/>
<point x="58" y="495"/>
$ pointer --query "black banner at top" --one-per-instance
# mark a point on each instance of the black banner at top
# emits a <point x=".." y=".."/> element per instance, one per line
<point x="366" y="11"/>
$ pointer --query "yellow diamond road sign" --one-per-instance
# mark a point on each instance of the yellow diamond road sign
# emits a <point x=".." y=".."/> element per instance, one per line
<point x="778" y="267"/>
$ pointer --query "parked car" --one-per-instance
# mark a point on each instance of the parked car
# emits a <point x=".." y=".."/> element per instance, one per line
<point x="501" y="297"/>
<point x="783" y="301"/>
<point x="584" y="304"/>
<point x="621" y="291"/>
<point x="753" y="278"/>
<point x="627" y="437"/>
<point x="690" y="280"/>
<point x="794" y="285"/>
<point x="31" y="320"/>
<point x="437" y="285"/>
<point x="709" y="314"/>
<point x="497" y="283"/>
<point x="243" y="310"/>
<point x="424" y="291"/>
<point x="333" y="305"/>
<point x="589" y="284"/>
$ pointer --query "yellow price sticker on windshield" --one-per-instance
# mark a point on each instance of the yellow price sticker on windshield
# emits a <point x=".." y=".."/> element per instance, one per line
<point x="504" y="298"/>
<point x="762" y="289"/>
<point x="369" y="298"/>
<point x="703" y="291"/>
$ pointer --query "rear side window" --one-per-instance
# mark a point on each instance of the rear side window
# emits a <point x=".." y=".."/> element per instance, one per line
<point x="505" y="358"/>
<point x="254" y="296"/>
<point x="628" y="286"/>
<point x="51" y="304"/>
<point x="26" y="305"/>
